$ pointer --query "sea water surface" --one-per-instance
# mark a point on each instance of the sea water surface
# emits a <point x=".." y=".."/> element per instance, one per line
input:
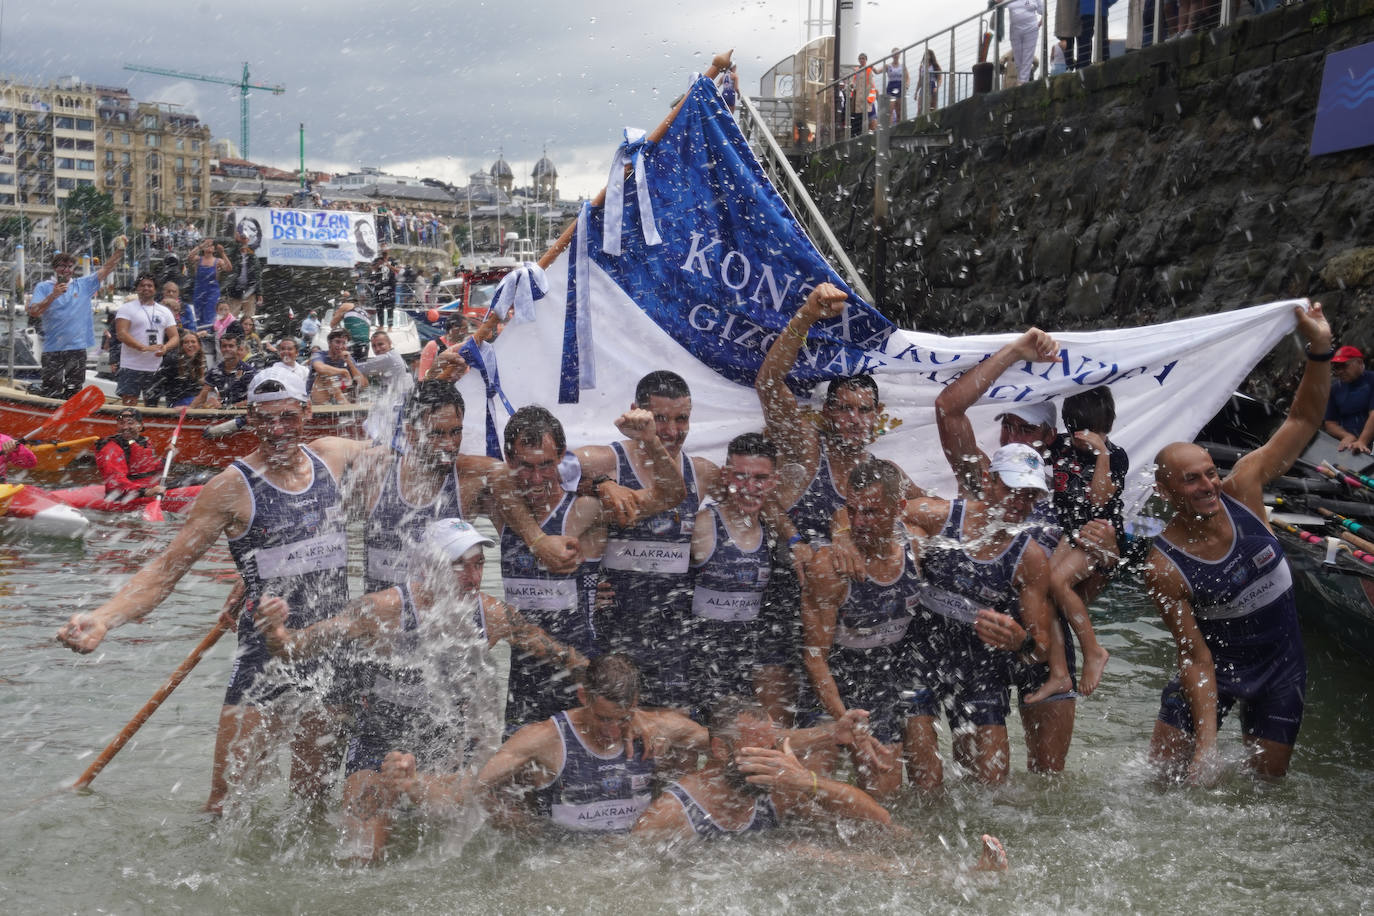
<point x="1102" y="837"/>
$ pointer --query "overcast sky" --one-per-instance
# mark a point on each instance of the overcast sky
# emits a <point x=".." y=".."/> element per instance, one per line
<point x="435" y="89"/>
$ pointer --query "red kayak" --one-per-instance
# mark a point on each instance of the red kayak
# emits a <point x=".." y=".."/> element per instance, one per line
<point x="92" y="497"/>
<point x="30" y="510"/>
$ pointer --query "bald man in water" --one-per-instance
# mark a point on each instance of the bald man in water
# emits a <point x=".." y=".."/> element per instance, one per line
<point x="1223" y="586"/>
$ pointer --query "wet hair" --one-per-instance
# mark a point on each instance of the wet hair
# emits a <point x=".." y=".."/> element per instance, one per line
<point x="380" y="333"/>
<point x="336" y="334"/>
<point x="431" y="395"/>
<point x="62" y="258"/>
<point x="877" y="471"/>
<point x="752" y="444"/>
<point x="145" y="276"/>
<point x="724" y="714"/>
<point x="857" y="382"/>
<point x="1093" y="410"/>
<point x="661" y="384"/>
<point x="614" y="678"/>
<point x="529" y="425"/>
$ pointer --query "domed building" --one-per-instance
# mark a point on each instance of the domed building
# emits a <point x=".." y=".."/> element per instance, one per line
<point x="545" y="179"/>
<point x="501" y="173"/>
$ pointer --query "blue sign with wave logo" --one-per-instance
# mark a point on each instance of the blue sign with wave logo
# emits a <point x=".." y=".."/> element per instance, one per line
<point x="1345" y="109"/>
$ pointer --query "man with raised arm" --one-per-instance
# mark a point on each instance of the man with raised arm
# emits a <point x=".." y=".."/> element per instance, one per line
<point x="815" y="460"/>
<point x="422" y="693"/>
<point x="560" y="602"/>
<point x="1221" y="581"/>
<point x="648" y="546"/>
<point x="64" y="305"/>
<point x="827" y="452"/>
<point x="1049" y="719"/>
<point x="280" y="510"/>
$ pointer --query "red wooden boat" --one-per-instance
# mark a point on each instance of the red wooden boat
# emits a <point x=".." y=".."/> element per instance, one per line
<point x="21" y="412"/>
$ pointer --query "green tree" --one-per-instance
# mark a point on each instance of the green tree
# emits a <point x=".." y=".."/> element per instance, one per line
<point x="90" y="220"/>
<point x="13" y="227"/>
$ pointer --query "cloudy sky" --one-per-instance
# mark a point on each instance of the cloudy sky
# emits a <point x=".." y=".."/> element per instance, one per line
<point x="435" y="88"/>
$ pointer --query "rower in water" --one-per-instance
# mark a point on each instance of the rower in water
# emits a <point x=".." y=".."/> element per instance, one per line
<point x="1221" y="582"/>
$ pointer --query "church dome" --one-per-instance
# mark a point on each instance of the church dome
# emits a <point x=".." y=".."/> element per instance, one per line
<point x="500" y="169"/>
<point x="544" y="168"/>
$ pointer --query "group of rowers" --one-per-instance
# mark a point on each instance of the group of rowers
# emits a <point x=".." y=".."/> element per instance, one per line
<point x="802" y="602"/>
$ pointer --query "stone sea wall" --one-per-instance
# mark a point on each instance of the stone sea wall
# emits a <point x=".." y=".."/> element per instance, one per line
<point x="1170" y="182"/>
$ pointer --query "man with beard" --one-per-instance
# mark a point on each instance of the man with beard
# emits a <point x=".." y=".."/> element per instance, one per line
<point x="561" y="601"/>
<point x="1220" y="580"/>
<point x="279" y="508"/>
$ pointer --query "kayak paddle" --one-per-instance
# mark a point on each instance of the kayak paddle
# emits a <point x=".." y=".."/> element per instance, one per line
<point x="153" y="511"/>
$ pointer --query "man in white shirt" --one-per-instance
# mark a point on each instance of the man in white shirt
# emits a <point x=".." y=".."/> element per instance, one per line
<point x="146" y="330"/>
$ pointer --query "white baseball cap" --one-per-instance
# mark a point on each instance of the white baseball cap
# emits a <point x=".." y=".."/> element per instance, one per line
<point x="454" y="537"/>
<point x="289" y="385"/>
<point x="1020" y="467"/>
<point x="1041" y="414"/>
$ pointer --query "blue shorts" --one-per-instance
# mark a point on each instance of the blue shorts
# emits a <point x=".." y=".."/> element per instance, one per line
<point x="394" y="711"/>
<point x="886" y="682"/>
<point x="969" y="678"/>
<point x="258" y="678"/>
<point x="1272" y="693"/>
<point x="130" y="383"/>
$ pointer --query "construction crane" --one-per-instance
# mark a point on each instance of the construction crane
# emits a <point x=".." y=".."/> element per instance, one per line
<point x="243" y="85"/>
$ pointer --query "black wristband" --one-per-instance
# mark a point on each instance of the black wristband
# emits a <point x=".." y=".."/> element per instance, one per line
<point x="1319" y="357"/>
<point x="1027" y="645"/>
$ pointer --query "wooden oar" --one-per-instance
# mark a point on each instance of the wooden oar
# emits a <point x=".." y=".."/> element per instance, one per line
<point x="1348" y="524"/>
<point x="227" y="618"/>
<point x="1363" y="478"/>
<point x="79" y="406"/>
<point x="153" y="511"/>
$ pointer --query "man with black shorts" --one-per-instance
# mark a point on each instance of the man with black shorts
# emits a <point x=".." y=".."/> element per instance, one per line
<point x="146" y="330"/>
<point x="280" y="510"/>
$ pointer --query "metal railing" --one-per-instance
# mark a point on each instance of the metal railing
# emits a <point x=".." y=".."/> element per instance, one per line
<point x="759" y="132"/>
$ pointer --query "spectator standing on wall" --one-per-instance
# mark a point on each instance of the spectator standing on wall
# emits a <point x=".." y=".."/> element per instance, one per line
<point x="928" y="77"/>
<point x="1083" y="44"/>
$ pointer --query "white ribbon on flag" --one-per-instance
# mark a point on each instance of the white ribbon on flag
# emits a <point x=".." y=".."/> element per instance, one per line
<point x="518" y="291"/>
<point x="632" y="148"/>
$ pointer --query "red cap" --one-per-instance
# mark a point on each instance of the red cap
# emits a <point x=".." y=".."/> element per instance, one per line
<point x="1347" y="353"/>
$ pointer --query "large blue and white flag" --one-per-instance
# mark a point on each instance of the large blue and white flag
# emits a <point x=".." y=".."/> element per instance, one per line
<point x="695" y="264"/>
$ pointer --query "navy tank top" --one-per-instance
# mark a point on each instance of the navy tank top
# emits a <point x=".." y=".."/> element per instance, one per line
<point x="558" y="603"/>
<point x="294" y="547"/>
<point x="874" y="613"/>
<point x="395" y="526"/>
<point x="594" y="792"/>
<point x="816" y="507"/>
<point x="958" y="585"/>
<point x="729" y="585"/>
<point x="763" y="817"/>
<point x="1245" y="599"/>
<point x="648" y="563"/>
